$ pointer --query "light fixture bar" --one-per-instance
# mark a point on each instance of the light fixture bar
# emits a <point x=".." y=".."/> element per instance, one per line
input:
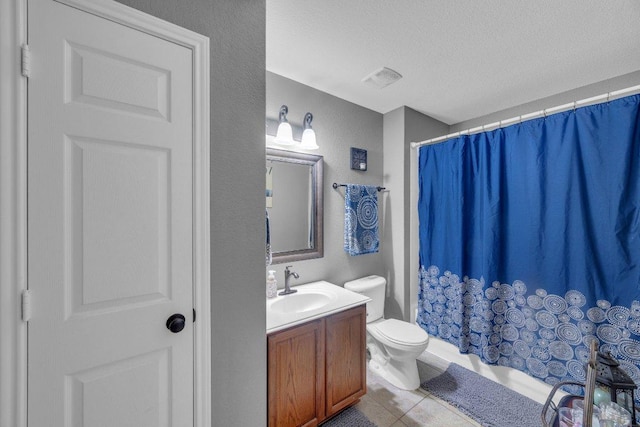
<point x="301" y="137"/>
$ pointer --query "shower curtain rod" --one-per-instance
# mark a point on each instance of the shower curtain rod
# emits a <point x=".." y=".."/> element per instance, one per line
<point x="502" y="123"/>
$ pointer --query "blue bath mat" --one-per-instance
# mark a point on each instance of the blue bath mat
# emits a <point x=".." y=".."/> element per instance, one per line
<point x="350" y="417"/>
<point x="489" y="403"/>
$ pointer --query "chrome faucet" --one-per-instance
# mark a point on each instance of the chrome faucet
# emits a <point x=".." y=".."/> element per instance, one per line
<point x="287" y="274"/>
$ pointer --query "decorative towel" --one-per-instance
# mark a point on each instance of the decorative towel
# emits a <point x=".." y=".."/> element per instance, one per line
<point x="361" y="219"/>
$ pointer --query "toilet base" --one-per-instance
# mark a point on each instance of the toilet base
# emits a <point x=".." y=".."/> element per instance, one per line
<point x="400" y="373"/>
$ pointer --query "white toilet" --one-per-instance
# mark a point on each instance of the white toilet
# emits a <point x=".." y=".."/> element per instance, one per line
<point x="394" y="345"/>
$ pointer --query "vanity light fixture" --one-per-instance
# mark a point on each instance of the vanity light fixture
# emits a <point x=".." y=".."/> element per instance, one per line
<point x="284" y="136"/>
<point x="308" y="141"/>
<point x="285" y="132"/>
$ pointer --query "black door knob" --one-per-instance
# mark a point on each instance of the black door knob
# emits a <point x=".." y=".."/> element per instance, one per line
<point x="175" y="323"/>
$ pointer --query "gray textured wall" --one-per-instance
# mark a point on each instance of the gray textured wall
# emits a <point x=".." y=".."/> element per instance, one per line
<point x="401" y="126"/>
<point x="339" y="125"/>
<point x="584" y="92"/>
<point x="394" y="209"/>
<point x="236" y="29"/>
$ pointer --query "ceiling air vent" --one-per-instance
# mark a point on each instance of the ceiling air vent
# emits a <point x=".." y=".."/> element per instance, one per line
<point x="382" y="77"/>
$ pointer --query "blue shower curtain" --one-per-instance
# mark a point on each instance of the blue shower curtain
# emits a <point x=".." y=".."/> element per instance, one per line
<point x="530" y="241"/>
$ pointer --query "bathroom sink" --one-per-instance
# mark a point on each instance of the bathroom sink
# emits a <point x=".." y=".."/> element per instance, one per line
<point x="301" y="302"/>
<point x="311" y="301"/>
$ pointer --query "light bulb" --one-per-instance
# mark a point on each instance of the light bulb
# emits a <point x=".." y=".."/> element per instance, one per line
<point x="284" y="135"/>
<point x="308" y="141"/>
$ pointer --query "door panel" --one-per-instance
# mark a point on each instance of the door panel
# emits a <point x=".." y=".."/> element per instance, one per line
<point x="100" y="78"/>
<point x="107" y="268"/>
<point x="110" y="206"/>
<point x="146" y="401"/>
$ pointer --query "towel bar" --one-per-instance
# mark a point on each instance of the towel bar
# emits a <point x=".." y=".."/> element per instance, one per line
<point x="336" y="185"/>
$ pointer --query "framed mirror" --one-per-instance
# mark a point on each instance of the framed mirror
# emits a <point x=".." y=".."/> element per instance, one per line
<point x="294" y="199"/>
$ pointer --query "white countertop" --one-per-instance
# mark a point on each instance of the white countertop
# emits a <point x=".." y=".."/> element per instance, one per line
<point x="339" y="299"/>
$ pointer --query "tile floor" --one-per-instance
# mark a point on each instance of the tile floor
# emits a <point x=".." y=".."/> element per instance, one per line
<point x="388" y="406"/>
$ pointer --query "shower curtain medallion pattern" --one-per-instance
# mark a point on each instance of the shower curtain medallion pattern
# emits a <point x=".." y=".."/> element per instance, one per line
<point x="530" y="241"/>
<point x="546" y="335"/>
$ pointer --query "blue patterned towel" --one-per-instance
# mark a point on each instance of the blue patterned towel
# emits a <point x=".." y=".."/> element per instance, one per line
<point x="268" y="254"/>
<point x="361" y="219"/>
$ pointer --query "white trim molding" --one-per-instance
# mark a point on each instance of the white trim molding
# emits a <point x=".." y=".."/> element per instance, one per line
<point x="13" y="196"/>
<point x="13" y="217"/>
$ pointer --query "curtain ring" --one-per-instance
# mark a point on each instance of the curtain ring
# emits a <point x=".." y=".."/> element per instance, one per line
<point x="520" y="118"/>
<point x="575" y="104"/>
<point x="608" y="97"/>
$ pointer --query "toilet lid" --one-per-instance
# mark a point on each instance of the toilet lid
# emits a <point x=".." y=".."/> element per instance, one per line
<point x="402" y="332"/>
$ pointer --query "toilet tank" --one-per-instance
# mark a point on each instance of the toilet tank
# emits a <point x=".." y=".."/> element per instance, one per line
<point x="374" y="288"/>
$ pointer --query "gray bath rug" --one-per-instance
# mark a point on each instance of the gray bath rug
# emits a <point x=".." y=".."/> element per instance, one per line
<point x="350" y="417"/>
<point x="487" y="402"/>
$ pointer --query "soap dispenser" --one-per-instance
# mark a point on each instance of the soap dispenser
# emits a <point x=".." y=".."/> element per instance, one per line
<point x="272" y="285"/>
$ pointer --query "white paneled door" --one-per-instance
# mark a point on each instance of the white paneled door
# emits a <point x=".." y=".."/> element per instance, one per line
<point x="110" y="223"/>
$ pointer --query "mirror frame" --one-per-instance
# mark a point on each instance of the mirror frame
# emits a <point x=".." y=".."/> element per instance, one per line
<point x="316" y="164"/>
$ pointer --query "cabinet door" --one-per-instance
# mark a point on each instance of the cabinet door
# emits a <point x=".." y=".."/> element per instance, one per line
<point x="296" y="375"/>
<point x="346" y="358"/>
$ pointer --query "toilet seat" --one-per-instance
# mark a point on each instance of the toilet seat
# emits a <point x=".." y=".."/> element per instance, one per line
<point x="399" y="332"/>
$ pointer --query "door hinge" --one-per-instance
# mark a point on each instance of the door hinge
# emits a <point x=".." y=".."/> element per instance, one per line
<point x="26" y="305"/>
<point x="194" y="315"/>
<point x="26" y="61"/>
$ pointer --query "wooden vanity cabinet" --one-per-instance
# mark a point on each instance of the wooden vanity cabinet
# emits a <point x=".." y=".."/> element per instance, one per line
<point x="316" y="369"/>
<point x="345" y="360"/>
<point x="295" y="378"/>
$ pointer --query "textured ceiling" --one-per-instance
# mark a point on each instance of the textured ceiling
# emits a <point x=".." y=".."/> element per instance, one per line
<point x="459" y="59"/>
